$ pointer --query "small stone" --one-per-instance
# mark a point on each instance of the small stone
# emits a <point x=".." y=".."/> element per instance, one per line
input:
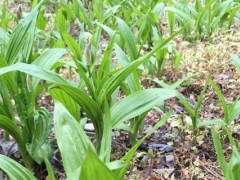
<point x="89" y="127"/>
<point x="170" y="158"/>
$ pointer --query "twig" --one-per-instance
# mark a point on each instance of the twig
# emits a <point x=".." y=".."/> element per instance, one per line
<point x="210" y="170"/>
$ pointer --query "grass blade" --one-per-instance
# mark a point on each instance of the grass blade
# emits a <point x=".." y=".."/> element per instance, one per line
<point x="218" y="148"/>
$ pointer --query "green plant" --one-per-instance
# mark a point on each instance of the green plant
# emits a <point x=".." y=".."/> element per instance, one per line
<point x="101" y="83"/>
<point x="14" y="169"/>
<point x="231" y="111"/>
<point x="88" y="161"/>
<point x="79" y="158"/>
<point x="20" y="116"/>
<point x="194" y="112"/>
<point x="203" y="18"/>
<point x="232" y="168"/>
<point x="98" y="78"/>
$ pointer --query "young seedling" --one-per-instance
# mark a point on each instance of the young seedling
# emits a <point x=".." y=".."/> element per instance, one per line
<point x="194" y="112"/>
<point x="230" y="111"/>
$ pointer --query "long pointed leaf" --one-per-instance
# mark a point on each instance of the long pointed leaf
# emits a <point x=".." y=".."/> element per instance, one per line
<point x="129" y="38"/>
<point x="11" y="127"/>
<point x="137" y="103"/>
<point x="35" y="71"/>
<point x="46" y="60"/>
<point x="21" y="41"/>
<point x="15" y="170"/>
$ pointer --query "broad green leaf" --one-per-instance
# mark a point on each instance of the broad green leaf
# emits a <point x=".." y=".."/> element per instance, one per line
<point x="110" y="32"/>
<point x="61" y="96"/>
<point x="46" y="60"/>
<point x="114" y="165"/>
<point x="159" y="9"/>
<point x="21" y="40"/>
<point x="86" y="103"/>
<point x="106" y="145"/>
<point x="4" y="17"/>
<point x="42" y="128"/>
<point x="41" y="21"/>
<point x="138" y="103"/>
<point x="6" y="100"/>
<point x="61" y="20"/>
<point x="94" y="169"/>
<point x="71" y="138"/>
<point x="11" y="127"/>
<point x="15" y="170"/>
<point x="75" y="175"/>
<point x="4" y="39"/>
<point x="89" y="106"/>
<point x="144" y="33"/>
<point x="8" y="78"/>
<point x="49" y="57"/>
<point x="98" y="9"/>
<point x="129" y="38"/>
<point x="133" y="80"/>
<point x="73" y="45"/>
<point x="176" y="61"/>
<point x="42" y="154"/>
<point x="95" y="41"/>
<point x="35" y="71"/>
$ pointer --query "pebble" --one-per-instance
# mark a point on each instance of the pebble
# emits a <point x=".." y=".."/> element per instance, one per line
<point x="89" y="127"/>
